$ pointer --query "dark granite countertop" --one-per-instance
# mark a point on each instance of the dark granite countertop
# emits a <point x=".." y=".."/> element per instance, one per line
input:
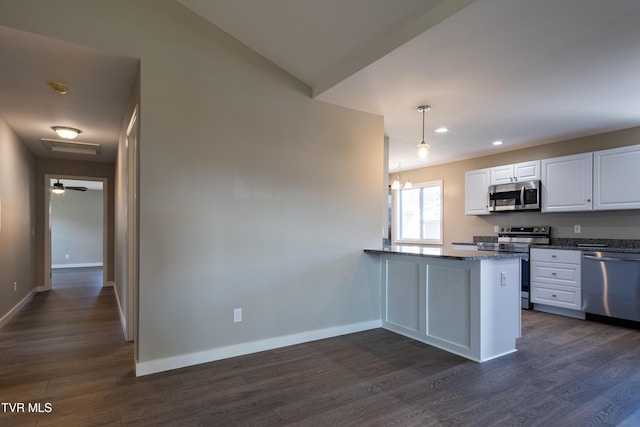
<point x="628" y="250"/>
<point x="446" y="253"/>
<point x="602" y="245"/>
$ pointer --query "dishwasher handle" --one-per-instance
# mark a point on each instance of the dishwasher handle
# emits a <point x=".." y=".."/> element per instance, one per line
<point x="603" y="258"/>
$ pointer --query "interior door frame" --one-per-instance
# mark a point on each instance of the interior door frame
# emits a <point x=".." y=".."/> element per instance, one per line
<point x="47" y="225"/>
<point x="131" y="233"/>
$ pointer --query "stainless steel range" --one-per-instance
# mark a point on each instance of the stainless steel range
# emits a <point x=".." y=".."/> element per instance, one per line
<point x="519" y="239"/>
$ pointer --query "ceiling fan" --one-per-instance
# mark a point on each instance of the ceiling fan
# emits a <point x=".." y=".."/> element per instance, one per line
<point x="59" y="188"/>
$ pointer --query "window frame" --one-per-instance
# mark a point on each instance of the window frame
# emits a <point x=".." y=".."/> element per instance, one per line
<point x="397" y="216"/>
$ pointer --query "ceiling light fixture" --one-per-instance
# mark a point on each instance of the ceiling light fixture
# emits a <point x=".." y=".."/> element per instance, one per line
<point x="66" y="132"/>
<point x="57" y="87"/>
<point x="498" y="142"/>
<point x="57" y="188"/>
<point x="423" y="147"/>
<point x="441" y="130"/>
<point x="397" y="185"/>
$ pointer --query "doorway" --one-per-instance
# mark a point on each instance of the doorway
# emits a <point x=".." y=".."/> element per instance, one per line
<point x="72" y="225"/>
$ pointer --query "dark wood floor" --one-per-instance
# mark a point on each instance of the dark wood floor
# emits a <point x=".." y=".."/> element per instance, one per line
<point x="66" y="349"/>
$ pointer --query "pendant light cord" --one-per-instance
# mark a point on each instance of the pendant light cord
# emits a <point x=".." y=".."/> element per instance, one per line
<point x="423" y="125"/>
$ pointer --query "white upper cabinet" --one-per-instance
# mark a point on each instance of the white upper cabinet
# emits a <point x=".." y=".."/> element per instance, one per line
<point x="616" y="178"/>
<point x="476" y="186"/>
<point x="525" y="171"/>
<point x="567" y="183"/>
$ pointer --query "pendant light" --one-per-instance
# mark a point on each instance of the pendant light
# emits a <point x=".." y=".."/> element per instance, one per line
<point x="423" y="147"/>
<point x="397" y="183"/>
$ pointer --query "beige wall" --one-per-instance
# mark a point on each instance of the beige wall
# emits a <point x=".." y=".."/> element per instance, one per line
<point x="252" y="195"/>
<point x="76" y="228"/>
<point x="459" y="227"/>
<point x="17" y="220"/>
<point x="66" y="168"/>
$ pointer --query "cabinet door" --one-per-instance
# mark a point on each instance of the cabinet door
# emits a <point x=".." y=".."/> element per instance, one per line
<point x="616" y="178"/>
<point x="527" y="171"/>
<point x="567" y="183"/>
<point x="556" y="273"/>
<point x="556" y="255"/>
<point x="556" y="295"/>
<point x="476" y="186"/>
<point x="502" y="174"/>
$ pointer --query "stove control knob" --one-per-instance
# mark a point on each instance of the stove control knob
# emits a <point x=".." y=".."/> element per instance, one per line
<point x="536" y="230"/>
<point x="502" y="229"/>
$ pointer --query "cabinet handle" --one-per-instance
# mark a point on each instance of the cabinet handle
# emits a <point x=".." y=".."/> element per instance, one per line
<point x="554" y="295"/>
<point x="553" y="274"/>
<point x="553" y="256"/>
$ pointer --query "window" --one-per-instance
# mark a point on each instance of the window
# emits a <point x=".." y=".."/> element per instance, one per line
<point x="418" y="214"/>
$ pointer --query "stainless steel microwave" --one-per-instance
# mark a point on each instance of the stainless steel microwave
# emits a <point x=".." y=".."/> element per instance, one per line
<point x="516" y="196"/>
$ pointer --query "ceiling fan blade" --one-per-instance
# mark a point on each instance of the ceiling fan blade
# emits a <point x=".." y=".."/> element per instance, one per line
<point x="76" y="188"/>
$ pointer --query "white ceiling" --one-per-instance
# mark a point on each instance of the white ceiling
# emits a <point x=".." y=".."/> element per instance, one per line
<point x="524" y="71"/>
<point x="527" y="72"/>
<point x="100" y="85"/>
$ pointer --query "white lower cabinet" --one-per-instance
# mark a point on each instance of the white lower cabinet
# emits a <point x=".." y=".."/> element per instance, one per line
<point x="556" y="278"/>
<point x="467" y="307"/>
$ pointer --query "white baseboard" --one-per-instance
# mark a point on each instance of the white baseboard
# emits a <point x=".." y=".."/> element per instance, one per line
<point x="7" y="317"/>
<point x="78" y="265"/>
<point x="181" y="361"/>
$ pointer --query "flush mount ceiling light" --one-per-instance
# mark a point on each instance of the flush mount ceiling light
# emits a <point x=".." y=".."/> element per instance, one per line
<point x="441" y="130"/>
<point x="423" y="147"/>
<point x="57" y="87"/>
<point x="498" y="142"/>
<point x="66" y="132"/>
<point x="57" y="188"/>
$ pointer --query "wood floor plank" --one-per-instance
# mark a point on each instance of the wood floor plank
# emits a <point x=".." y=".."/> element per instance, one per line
<point x="66" y="348"/>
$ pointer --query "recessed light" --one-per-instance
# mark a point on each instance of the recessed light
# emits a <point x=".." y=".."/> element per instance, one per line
<point x="496" y="142"/>
<point x="441" y="130"/>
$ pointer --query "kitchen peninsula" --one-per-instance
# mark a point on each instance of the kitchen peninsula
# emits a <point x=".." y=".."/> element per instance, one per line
<point x="464" y="302"/>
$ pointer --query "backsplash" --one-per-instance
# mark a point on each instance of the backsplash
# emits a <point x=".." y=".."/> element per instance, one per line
<point x="568" y="242"/>
<point x="611" y="243"/>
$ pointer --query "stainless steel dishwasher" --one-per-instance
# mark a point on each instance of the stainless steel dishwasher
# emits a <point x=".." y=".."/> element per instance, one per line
<point x="611" y="284"/>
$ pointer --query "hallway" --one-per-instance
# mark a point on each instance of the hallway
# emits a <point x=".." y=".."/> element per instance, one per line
<point x="65" y="348"/>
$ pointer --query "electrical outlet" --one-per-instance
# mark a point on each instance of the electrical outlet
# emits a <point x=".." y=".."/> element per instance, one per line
<point x="503" y="278"/>
<point x="577" y="229"/>
<point x="237" y="315"/>
<point x="66" y="256"/>
<point x="15" y="286"/>
<point x="496" y="228"/>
